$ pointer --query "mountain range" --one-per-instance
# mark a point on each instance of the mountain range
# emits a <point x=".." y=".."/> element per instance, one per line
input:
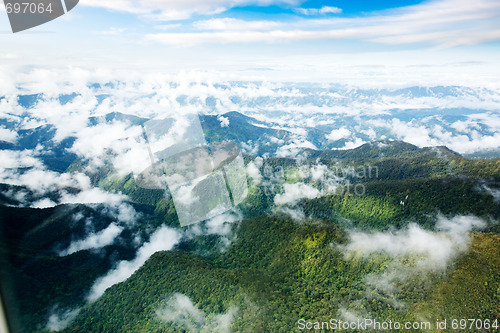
<point x="387" y="230"/>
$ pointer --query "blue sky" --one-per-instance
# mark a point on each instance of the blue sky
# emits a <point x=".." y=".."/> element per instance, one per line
<point x="293" y="39"/>
<point x="349" y="8"/>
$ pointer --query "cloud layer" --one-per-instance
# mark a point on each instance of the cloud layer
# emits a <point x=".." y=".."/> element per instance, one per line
<point x="465" y="119"/>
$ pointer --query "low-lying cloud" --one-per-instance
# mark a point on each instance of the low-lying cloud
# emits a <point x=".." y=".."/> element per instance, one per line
<point x="297" y="214"/>
<point x="94" y="241"/>
<point x="163" y="239"/>
<point x="412" y="252"/>
<point x="219" y="225"/>
<point x="294" y="192"/>
<point x="495" y="193"/>
<point x="180" y="310"/>
<point x="59" y="320"/>
<point x="435" y="250"/>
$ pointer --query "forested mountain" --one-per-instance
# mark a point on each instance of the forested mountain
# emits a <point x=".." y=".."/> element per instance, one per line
<point x="387" y="231"/>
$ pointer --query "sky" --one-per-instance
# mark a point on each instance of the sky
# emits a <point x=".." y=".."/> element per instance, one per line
<point x="433" y="42"/>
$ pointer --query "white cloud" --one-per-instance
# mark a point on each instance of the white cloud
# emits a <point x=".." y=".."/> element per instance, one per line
<point x="123" y="213"/>
<point x="123" y="145"/>
<point x="37" y="179"/>
<point x="295" y="192"/>
<point x="293" y="148"/>
<point x="94" y="241"/>
<point x="313" y="180"/>
<point x="221" y="224"/>
<point x="354" y="144"/>
<point x="184" y="194"/>
<point x="7" y="135"/>
<point x="328" y="9"/>
<point x="316" y="11"/>
<point x="168" y="26"/>
<point x="319" y="171"/>
<point x="276" y="140"/>
<point x="297" y="214"/>
<point x="11" y="159"/>
<point x="495" y="193"/>
<point x="428" y="251"/>
<point x="445" y="23"/>
<point x="234" y="24"/>
<point x="423" y="135"/>
<point x="178" y="10"/>
<point x="253" y="170"/>
<point x="180" y="310"/>
<point x="434" y="250"/>
<point x="370" y="133"/>
<point x="91" y="196"/>
<point x="69" y="117"/>
<point x="224" y="121"/>
<point x="59" y="321"/>
<point x="338" y="134"/>
<point x="250" y="147"/>
<point x="43" y="203"/>
<point x="42" y="181"/>
<point x="163" y="239"/>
